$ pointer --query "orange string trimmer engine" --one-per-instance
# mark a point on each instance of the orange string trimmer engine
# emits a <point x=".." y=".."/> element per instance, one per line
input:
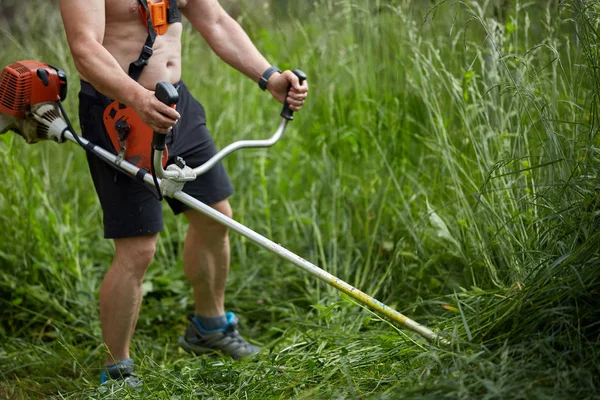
<point x="26" y="83"/>
<point x="30" y="96"/>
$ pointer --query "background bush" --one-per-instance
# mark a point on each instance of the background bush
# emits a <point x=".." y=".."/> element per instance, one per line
<point x="446" y="163"/>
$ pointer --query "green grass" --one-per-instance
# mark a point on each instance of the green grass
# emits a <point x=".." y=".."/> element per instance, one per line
<point x="443" y="165"/>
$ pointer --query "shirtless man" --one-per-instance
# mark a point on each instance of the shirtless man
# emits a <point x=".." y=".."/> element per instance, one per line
<point x="105" y="37"/>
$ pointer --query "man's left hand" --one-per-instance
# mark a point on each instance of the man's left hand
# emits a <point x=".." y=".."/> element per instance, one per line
<point x="278" y="85"/>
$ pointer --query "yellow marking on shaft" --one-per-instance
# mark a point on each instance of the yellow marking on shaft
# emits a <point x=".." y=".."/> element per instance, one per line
<point x="369" y="301"/>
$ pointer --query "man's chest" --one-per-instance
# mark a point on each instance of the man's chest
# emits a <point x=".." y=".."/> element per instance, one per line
<point x="128" y="10"/>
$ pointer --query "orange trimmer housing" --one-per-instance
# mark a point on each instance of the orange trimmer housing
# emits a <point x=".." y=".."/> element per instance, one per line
<point x="27" y="83"/>
<point x="130" y="136"/>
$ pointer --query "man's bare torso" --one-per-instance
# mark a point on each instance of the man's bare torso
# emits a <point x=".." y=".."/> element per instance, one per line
<point x="124" y="37"/>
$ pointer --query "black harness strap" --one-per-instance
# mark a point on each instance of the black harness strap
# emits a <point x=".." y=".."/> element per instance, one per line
<point x="173" y="15"/>
<point x="136" y="67"/>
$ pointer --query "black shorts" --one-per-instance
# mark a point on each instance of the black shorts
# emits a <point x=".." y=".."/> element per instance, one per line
<point x="130" y="209"/>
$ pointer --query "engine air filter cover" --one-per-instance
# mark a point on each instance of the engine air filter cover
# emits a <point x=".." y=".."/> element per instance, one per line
<point x="26" y="83"/>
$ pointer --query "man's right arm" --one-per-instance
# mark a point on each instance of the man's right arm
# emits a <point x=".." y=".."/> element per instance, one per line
<point x="84" y="22"/>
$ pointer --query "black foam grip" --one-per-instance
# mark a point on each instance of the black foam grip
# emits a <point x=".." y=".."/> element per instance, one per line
<point x="159" y="142"/>
<point x="166" y="93"/>
<point x="286" y="112"/>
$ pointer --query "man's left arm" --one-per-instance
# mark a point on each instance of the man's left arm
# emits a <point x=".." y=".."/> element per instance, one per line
<point x="229" y="41"/>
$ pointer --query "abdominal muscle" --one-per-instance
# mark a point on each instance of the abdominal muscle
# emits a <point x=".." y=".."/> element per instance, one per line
<point x="124" y="38"/>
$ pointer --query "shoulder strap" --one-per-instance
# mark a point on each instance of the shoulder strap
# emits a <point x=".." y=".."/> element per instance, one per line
<point x="174" y="15"/>
<point x="136" y="67"/>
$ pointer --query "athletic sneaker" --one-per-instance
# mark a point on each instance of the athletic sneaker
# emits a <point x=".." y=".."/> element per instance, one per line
<point x="121" y="374"/>
<point x="227" y="340"/>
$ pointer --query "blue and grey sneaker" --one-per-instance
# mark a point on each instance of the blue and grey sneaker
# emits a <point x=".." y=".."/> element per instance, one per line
<point x="121" y="374"/>
<point x="226" y="340"/>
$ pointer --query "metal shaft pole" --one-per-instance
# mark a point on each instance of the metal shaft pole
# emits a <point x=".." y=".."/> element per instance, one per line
<point x="309" y="267"/>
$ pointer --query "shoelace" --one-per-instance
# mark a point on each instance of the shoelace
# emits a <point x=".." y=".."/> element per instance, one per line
<point x="230" y="332"/>
<point x="235" y="336"/>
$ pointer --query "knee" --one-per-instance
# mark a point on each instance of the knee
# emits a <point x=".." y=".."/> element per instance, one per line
<point x="224" y="208"/>
<point x="134" y="255"/>
<point x="205" y="226"/>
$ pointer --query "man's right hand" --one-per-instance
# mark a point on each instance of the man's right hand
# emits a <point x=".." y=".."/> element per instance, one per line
<point x="154" y="113"/>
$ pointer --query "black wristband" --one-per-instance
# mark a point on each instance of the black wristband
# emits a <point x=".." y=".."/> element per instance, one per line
<point x="262" y="82"/>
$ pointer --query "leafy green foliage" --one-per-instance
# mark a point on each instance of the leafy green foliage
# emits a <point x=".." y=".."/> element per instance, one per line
<point x="446" y="163"/>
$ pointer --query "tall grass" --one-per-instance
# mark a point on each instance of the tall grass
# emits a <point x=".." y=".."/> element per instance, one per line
<point x="446" y="163"/>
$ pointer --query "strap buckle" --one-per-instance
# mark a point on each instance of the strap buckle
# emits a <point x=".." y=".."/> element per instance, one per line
<point x="144" y="57"/>
<point x="158" y="14"/>
<point x="146" y="54"/>
<point x="123" y="129"/>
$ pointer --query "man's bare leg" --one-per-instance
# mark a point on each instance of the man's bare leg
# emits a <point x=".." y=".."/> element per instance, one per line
<point x="206" y="260"/>
<point x="121" y="293"/>
<point x="206" y="264"/>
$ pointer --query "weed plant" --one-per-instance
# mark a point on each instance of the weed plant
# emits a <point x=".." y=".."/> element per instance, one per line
<point x="446" y="163"/>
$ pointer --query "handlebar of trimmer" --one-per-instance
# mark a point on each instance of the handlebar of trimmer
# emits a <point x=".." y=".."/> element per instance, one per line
<point x="166" y="93"/>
